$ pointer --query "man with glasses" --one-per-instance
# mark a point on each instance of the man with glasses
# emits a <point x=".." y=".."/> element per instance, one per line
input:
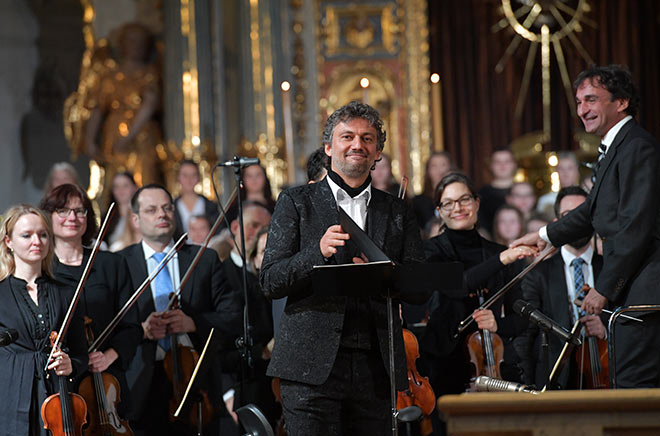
<point x="206" y="301"/>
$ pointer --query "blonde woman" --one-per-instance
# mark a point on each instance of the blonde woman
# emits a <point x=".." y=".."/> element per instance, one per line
<point x="33" y="305"/>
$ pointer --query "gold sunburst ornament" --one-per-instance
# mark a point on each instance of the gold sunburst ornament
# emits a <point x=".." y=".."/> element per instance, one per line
<point x="544" y="23"/>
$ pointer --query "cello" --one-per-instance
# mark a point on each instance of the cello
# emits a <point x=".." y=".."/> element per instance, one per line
<point x="179" y="364"/>
<point x="592" y="357"/>
<point x="63" y="413"/>
<point x="101" y="391"/>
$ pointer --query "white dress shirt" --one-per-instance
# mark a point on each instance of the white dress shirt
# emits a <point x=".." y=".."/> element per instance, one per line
<point x="173" y="268"/>
<point x="355" y="207"/>
<point x="587" y="272"/>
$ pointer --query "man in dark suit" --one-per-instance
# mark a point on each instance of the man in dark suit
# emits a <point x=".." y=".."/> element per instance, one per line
<point x="623" y="209"/>
<point x="551" y="288"/>
<point x="331" y="352"/>
<point x="206" y="301"/>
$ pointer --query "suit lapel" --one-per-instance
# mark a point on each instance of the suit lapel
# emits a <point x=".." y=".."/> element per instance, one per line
<point x="185" y="257"/>
<point x="558" y="293"/>
<point x="377" y="215"/>
<point x="138" y="269"/>
<point x="326" y="207"/>
<point x="609" y="157"/>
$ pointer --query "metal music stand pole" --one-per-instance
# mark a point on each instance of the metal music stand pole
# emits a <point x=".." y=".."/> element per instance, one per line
<point x="390" y="331"/>
<point x="610" y="333"/>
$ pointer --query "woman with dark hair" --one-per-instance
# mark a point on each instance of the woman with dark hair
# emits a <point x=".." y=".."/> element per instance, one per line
<point x="438" y="165"/>
<point x="508" y="225"/>
<point x="108" y="286"/>
<point x="34" y="305"/>
<point x="255" y="188"/>
<point x="488" y="266"/>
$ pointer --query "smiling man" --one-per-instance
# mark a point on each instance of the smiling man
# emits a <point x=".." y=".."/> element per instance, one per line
<point x="331" y="353"/>
<point x="623" y="209"/>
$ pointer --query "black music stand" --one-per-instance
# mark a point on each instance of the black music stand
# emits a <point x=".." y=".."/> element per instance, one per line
<point x="382" y="277"/>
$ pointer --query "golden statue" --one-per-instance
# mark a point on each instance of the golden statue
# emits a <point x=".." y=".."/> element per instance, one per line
<point x="111" y="117"/>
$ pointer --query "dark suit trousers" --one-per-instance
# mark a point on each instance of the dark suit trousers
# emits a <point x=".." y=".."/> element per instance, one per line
<point x="637" y="349"/>
<point x="354" y="400"/>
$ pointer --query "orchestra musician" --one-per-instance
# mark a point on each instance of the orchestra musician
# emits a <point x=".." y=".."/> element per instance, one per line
<point x="551" y="288"/>
<point x="623" y="208"/>
<point x="34" y="305"/>
<point x="331" y="353"/>
<point x="108" y="285"/>
<point x="487" y="266"/>
<point x="206" y="301"/>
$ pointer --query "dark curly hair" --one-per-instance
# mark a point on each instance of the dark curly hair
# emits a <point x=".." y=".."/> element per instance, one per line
<point x="355" y="109"/>
<point x="617" y="80"/>
<point x="58" y="197"/>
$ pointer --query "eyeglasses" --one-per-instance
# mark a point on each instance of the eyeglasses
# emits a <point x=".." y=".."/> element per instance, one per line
<point x="63" y="212"/>
<point x="448" y="205"/>
<point x="152" y="210"/>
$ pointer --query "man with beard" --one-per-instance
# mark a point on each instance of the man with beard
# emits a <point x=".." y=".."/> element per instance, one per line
<point x="331" y="352"/>
<point x="551" y="288"/>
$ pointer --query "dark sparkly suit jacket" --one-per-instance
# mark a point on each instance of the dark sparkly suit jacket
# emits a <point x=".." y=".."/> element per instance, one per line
<point x="311" y="327"/>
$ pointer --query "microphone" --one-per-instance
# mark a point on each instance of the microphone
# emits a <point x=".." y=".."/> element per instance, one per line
<point x="489" y="384"/>
<point x="8" y="336"/>
<point x="239" y="162"/>
<point x="527" y="311"/>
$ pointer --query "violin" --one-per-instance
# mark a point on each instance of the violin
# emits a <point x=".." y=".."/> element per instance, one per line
<point x="63" y="413"/>
<point x="592" y="358"/>
<point x="419" y="392"/>
<point x="102" y="392"/>
<point x="486" y="350"/>
<point x="179" y="364"/>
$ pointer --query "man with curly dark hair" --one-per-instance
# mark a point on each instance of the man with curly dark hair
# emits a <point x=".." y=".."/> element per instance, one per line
<point x="331" y="352"/>
<point x="624" y="209"/>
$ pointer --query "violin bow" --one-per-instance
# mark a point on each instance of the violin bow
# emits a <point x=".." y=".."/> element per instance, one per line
<point x="138" y="292"/>
<point x="194" y="374"/>
<point x="81" y="283"/>
<point x="201" y="250"/>
<point x="540" y="258"/>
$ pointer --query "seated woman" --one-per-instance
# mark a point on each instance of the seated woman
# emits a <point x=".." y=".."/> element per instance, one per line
<point x="34" y="305"/>
<point x="487" y="267"/>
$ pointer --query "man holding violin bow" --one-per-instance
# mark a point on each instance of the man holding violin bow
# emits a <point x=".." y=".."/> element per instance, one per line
<point x="331" y="352"/>
<point x="205" y="302"/>
<point x="552" y="287"/>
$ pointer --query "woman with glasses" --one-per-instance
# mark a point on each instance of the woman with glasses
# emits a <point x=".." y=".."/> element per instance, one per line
<point x="487" y="267"/>
<point x="33" y="305"/>
<point x="108" y="286"/>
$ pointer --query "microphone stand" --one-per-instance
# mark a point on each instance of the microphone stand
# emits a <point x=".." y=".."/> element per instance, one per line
<point x="545" y="351"/>
<point x="244" y="343"/>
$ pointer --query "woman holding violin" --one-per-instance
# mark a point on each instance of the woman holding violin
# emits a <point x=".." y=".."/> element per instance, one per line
<point x="107" y="288"/>
<point x="488" y="266"/>
<point x="34" y="305"/>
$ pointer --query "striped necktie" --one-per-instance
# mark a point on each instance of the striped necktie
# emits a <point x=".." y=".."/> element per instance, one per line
<point x="578" y="280"/>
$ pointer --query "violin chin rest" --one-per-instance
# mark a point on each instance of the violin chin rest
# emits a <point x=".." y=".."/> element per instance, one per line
<point x="409" y="414"/>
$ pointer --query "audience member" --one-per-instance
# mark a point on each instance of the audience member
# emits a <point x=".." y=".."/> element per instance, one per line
<point x="568" y="169"/>
<point x="190" y="203"/>
<point x="522" y="197"/>
<point x="382" y="178"/>
<point x="317" y="164"/>
<point x="59" y="174"/>
<point x="508" y="225"/>
<point x="438" y="165"/>
<point x="493" y="195"/>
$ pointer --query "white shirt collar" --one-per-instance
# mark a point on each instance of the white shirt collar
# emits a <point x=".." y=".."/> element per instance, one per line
<point x="568" y="257"/>
<point x="611" y="134"/>
<point x="366" y="193"/>
<point x="148" y="251"/>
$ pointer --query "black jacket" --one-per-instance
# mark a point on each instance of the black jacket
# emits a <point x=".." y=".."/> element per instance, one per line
<point x="311" y="327"/>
